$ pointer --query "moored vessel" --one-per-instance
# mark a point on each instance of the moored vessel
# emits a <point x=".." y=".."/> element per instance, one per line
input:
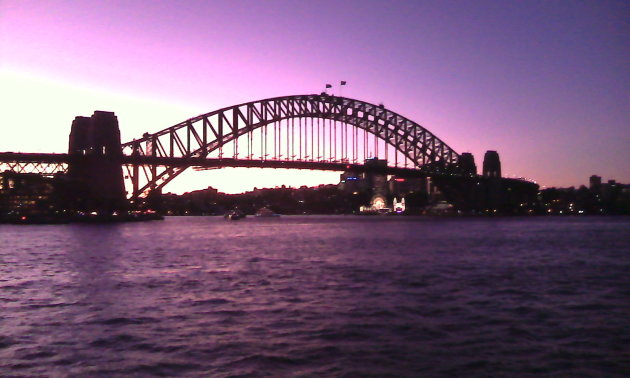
<point x="265" y="212"/>
<point x="234" y="214"/>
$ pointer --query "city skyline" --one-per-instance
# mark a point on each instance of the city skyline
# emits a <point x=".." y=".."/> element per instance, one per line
<point x="544" y="84"/>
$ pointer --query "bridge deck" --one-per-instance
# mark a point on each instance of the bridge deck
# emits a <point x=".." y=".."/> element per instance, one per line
<point x="199" y="162"/>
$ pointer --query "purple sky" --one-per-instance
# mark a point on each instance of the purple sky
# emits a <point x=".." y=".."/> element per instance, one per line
<point x="546" y="83"/>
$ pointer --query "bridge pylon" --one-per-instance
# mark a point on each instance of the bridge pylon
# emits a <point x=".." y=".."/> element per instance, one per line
<point x="95" y="160"/>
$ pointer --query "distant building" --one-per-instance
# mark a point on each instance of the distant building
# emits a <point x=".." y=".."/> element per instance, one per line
<point x="400" y="186"/>
<point x="25" y="194"/>
<point x="595" y="183"/>
<point x="372" y="181"/>
<point x="377" y="182"/>
<point x="351" y="182"/>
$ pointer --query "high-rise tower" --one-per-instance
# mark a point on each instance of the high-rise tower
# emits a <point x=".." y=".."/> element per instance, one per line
<point x="595" y="183"/>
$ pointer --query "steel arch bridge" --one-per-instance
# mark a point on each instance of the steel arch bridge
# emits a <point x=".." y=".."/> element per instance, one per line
<point x="302" y="131"/>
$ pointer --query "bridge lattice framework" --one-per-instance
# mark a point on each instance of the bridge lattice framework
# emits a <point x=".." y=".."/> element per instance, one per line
<point x="302" y="131"/>
<point x="307" y="128"/>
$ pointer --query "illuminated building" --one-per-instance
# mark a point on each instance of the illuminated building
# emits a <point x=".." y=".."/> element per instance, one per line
<point x="399" y="207"/>
<point x="373" y="184"/>
<point x="400" y="186"/>
<point x="350" y="182"/>
<point x="25" y="194"/>
<point x="377" y="181"/>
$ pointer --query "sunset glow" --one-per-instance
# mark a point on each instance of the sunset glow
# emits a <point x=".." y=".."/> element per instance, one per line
<point x="544" y="83"/>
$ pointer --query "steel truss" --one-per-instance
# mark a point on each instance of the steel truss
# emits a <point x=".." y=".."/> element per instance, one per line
<point x="199" y="136"/>
<point x="43" y="169"/>
<point x="39" y="163"/>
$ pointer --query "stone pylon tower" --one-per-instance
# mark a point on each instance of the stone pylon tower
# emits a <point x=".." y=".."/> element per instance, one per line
<point x="96" y="160"/>
<point x="491" y="164"/>
<point x="467" y="164"/>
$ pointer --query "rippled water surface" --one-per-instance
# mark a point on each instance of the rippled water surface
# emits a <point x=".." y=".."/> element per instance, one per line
<point x="317" y="296"/>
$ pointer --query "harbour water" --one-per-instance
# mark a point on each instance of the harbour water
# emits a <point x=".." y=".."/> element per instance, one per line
<point x="317" y="296"/>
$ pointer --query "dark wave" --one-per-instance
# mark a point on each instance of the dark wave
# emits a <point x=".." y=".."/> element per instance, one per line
<point x="329" y="297"/>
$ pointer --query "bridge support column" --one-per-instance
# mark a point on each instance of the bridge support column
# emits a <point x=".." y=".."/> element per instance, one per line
<point x="134" y="181"/>
<point x="96" y="158"/>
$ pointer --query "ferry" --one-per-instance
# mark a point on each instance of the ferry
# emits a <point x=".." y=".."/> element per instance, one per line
<point x="235" y="214"/>
<point x="266" y="213"/>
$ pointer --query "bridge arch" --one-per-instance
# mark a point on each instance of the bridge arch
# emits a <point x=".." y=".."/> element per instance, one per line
<point x="199" y="136"/>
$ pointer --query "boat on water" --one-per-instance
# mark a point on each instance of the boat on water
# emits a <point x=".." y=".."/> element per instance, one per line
<point x="234" y="215"/>
<point x="266" y="213"/>
<point x="383" y="211"/>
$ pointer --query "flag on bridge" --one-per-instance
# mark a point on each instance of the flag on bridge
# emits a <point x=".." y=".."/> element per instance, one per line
<point x="328" y="86"/>
<point x="343" y="82"/>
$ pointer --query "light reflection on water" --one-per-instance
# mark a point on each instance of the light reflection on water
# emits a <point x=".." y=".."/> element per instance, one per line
<point x="325" y="296"/>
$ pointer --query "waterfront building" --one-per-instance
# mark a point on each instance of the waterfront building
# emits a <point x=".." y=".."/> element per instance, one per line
<point x="400" y="186"/>
<point x="377" y="182"/>
<point x="25" y="195"/>
<point x="399" y="206"/>
<point x="352" y="182"/>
